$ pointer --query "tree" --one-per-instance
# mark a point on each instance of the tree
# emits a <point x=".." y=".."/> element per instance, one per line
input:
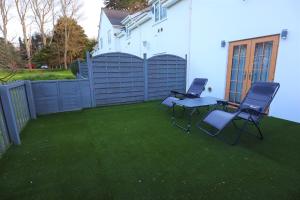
<point x="54" y="14"/>
<point x="9" y="55"/>
<point x="37" y="42"/>
<point x="129" y="5"/>
<point x="5" y="6"/>
<point x="22" y="10"/>
<point x="22" y="49"/>
<point x="42" y="10"/>
<point x="69" y="9"/>
<point x="53" y="55"/>
<point x="76" y="41"/>
<point x="91" y="43"/>
<point x="44" y="56"/>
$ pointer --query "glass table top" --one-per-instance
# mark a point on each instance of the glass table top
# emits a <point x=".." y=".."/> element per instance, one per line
<point x="197" y="102"/>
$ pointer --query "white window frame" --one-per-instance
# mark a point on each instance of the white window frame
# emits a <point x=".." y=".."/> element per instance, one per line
<point x="158" y="11"/>
<point x="163" y="10"/>
<point x="128" y="32"/>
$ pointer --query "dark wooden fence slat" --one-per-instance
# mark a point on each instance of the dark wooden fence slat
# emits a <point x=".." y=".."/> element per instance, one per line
<point x="117" y="76"/>
<point x="61" y="96"/>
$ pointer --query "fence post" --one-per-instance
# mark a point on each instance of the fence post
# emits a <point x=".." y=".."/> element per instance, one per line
<point x="30" y="99"/>
<point x="79" y="69"/>
<point x="91" y="78"/>
<point x="145" y="77"/>
<point x="186" y="74"/>
<point x="10" y="115"/>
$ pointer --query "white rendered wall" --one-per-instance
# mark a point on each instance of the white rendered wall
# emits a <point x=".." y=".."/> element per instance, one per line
<point x="173" y="39"/>
<point x="230" y="20"/>
<point x="105" y="26"/>
<point x="211" y="22"/>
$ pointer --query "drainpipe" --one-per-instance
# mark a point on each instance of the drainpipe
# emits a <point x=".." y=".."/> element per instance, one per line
<point x="189" y="42"/>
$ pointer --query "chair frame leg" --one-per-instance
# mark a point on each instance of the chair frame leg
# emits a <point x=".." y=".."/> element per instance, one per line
<point x="239" y="133"/>
<point x="260" y="135"/>
<point x="243" y="129"/>
<point x="234" y="124"/>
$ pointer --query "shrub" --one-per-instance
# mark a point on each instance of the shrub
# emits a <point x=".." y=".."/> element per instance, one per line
<point x="74" y="68"/>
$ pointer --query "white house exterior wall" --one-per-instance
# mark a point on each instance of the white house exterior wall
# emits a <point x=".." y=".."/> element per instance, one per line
<point x="197" y="27"/>
<point x="105" y="26"/>
<point x="230" y="20"/>
<point x="173" y="39"/>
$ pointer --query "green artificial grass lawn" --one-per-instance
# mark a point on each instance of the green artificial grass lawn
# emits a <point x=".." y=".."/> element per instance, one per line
<point x="39" y="74"/>
<point x="133" y="152"/>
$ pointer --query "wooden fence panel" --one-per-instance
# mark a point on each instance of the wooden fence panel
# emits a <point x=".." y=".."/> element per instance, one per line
<point x="61" y="95"/>
<point x="117" y="78"/>
<point x="17" y="108"/>
<point x="4" y="137"/>
<point x="165" y="73"/>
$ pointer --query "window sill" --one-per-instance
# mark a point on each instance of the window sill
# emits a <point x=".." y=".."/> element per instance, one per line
<point x="160" y="21"/>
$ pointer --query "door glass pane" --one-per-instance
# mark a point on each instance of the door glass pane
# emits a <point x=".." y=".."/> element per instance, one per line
<point x="266" y="62"/>
<point x="238" y="97"/>
<point x="232" y="86"/>
<point x="237" y="73"/>
<point x="231" y="97"/>
<point x="262" y="61"/>
<point x="239" y="86"/>
<point x="258" y="56"/>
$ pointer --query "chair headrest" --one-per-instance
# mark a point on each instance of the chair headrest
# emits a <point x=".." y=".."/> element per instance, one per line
<point x="261" y="94"/>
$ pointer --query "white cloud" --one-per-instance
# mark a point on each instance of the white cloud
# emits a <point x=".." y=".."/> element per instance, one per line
<point x="90" y="16"/>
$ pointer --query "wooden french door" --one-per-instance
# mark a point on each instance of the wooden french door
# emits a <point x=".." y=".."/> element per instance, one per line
<point x="250" y="61"/>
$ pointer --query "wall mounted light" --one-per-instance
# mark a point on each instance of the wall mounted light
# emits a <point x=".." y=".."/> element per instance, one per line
<point x="223" y="43"/>
<point x="145" y="43"/>
<point x="209" y="89"/>
<point x="284" y="34"/>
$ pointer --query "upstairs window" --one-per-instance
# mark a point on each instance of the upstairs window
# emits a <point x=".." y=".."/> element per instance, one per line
<point x="159" y="12"/>
<point x="156" y="11"/>
<point x="128" y="32"/>
<point x="163" y="13"/>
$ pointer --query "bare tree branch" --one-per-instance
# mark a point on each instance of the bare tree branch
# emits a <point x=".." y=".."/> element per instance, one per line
<point x="54" y="14"/>
<point x="69" y="9"/>
<point x="5" y="6"/>
<point x="42" y="10"/>
<point x="22" y="7"/>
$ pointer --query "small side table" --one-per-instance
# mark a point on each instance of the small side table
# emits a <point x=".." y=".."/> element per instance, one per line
<point x="192" y="105"/>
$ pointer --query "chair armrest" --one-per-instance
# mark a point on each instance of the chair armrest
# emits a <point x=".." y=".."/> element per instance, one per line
<point x="175" y="92"/>
<point x="222" y="102"/>
<point x="226" y="103"/>
<point x="191" y="95"/>
<point x="252" y="109"/>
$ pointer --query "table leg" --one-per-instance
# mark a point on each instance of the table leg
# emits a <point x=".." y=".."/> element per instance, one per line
<point x="173" y="113"/>
<point x="189" y="125"/>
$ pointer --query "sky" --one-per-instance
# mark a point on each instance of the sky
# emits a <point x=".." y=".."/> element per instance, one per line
<point x="89" y="20"/>
<point x="91" y="16"/>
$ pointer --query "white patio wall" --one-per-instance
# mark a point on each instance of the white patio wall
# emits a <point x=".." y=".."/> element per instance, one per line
<point x="230" y="20"/>
<point x="103" y="33"/>
<point x="216" y="20"/>
<point x="172" y="39"/>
